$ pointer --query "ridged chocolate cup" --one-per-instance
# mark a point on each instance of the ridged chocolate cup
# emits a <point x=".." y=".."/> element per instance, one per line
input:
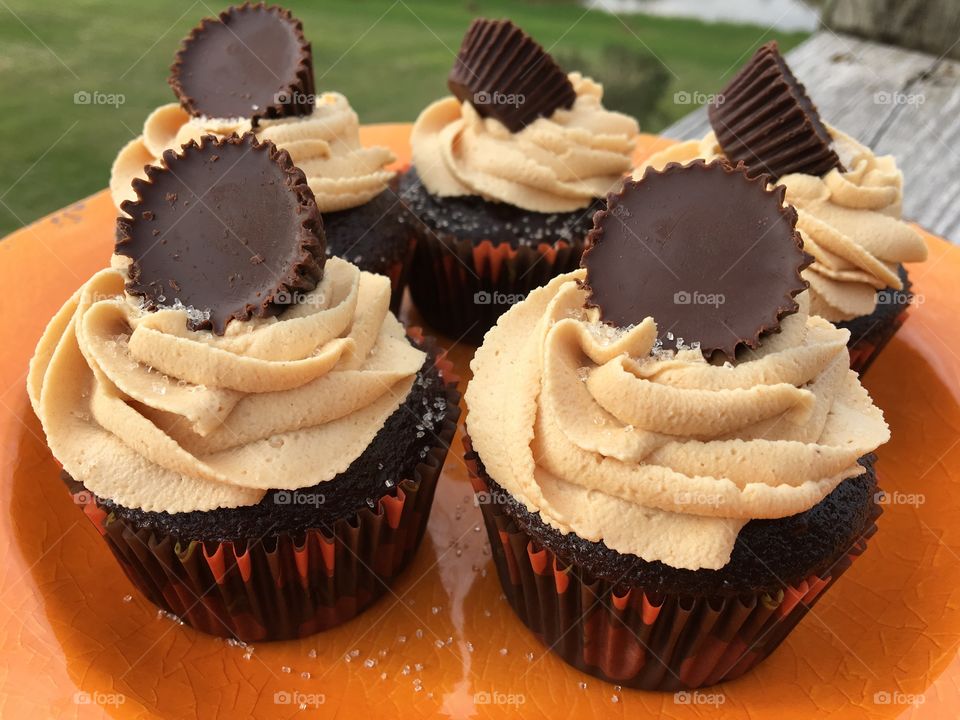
<point x="505" y="74"/>
<point x="765" y="119"/>
<point x="632" y="637"/>
<point x="708" y="251"/>
<point x="222" y="71"/>
<point x="229" y="254"/>
<point x="283" y="586"/>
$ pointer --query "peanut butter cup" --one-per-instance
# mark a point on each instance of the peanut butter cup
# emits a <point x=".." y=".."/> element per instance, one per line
<point x="252" y="61"/>
<point x="765" y="119"/>
<point x="505" y="74"/>
<point x="228" y="229"/>
<point x="706" y="250"/>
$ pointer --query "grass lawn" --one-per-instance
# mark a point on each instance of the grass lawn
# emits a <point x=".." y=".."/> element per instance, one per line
<point x="389" y="58"/>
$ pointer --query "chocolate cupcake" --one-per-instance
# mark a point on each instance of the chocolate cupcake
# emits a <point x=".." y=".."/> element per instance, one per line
<point x="848" y="199"/>
<point x="506" y="176"/>
<point x="250" y="69"/>
<point x="671" y="454"/>
<point x="255" y="435"/>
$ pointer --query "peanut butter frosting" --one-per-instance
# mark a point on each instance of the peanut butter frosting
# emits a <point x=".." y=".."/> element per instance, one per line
<point x="559" y="163"/>
<point x="325" y="145"/>
<point x="655" y="451"/>
<point x="850" y="222"/>
<point x="155" y="416"/>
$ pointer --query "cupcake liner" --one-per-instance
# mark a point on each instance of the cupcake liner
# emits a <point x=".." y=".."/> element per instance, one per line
<point x="399" y="272"/>
<point x="461" y="287"/>
<point x="765" y="119"/>
<point x="624" y="635"/>
<point x="284" y="586"/>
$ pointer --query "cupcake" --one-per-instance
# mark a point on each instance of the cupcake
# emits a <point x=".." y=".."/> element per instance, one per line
<point x="671" y="453"/>
<point x="246" y="423"/>
<point x="250" y="69"/>
<point x="849" y="199"/>
<point x="506" y="176"/>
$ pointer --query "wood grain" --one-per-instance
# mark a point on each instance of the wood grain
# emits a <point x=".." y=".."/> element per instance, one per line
<point x="897" y="101"/>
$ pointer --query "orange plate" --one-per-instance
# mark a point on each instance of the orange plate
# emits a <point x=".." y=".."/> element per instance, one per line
<point x="77" y="640"/>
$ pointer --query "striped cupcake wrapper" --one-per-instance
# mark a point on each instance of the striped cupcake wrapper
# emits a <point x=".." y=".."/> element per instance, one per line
<point x="624" y="635"/>
<point x="284" y="586"/>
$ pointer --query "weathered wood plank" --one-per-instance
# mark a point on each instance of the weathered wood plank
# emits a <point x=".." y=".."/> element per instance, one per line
<point x="898" y="102"/>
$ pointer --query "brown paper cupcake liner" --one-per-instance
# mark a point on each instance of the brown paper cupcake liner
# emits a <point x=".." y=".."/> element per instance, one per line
<point x="284" y="586"/>
<point x="462" y="287"/>
<point x="624" y="635"/>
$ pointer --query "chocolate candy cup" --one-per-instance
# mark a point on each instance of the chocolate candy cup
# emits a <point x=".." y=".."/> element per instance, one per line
<point x="252" y="61"/>
<point x="505" y="74"/>
<point x="765" y="119"/>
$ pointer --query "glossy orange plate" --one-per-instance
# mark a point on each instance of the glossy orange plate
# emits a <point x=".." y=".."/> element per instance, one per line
<point x="77" y="640"/>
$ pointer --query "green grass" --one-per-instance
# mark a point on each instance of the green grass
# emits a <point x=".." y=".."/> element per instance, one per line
<point x="390" y="59"/>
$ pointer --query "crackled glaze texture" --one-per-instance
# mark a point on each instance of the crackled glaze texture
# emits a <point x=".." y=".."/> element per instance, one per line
<point x="888" y="631"/>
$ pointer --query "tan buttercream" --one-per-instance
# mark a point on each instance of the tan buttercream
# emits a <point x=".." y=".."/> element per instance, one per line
<point x="850" y="223"/>
<point x="662" y="454"/>
<point x="559" y="163"/>
<point x="325" y="145"/>
<point x="155" y="416"/>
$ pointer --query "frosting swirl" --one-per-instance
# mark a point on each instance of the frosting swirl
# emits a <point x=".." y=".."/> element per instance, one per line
<point x="660" y="453"/>
<point x="155" y="416"/>
<point x="556" y="164"/>
<point x="850" y="223"/>
<point x="325" y="145"/>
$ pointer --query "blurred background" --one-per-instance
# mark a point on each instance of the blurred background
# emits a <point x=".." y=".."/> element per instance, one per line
<point x="389" y="58"/>
<point x="78" y="78"/>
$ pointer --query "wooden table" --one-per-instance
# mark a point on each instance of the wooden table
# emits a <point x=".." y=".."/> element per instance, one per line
<point x="899" y="102"/>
